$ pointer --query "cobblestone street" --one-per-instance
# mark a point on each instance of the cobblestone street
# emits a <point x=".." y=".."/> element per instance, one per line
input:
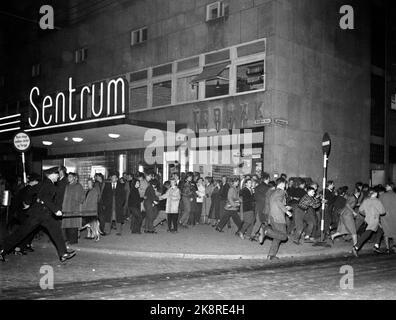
<point x="103" y="276"/>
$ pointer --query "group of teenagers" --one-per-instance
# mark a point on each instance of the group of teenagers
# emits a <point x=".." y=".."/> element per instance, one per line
<point x="260" y="208"/>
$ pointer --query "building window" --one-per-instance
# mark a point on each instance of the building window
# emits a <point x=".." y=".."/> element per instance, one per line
<point x="162" y="93"/>
<point x="138" y="98"/>
<point x="35" y="70"/>
<point x="186" y="89"/>
<point x="393" y="101"/>
<point x="250" y="76"/>
<point x="80" y="55"/>
<point x="138" y="36"/>
<point x="214" y="10"/>
<point x="219" y="86"/>
<point x="377" y="106"/>
<point x="377" y="153"/>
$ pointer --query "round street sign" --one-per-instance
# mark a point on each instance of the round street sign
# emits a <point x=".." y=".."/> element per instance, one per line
<point x="326" y="144"/>
<point x="22" y="141"/>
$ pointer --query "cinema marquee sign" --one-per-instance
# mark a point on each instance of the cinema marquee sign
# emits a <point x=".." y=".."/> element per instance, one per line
<point x="90" y="103"/>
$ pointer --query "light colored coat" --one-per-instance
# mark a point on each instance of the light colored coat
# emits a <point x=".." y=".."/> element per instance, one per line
<point x="208" y="199"/>
<point x="372" y="209"/>
<point x="388" y="221"/>
<point x="233" y="200"/>
<point x="74" y="197"/>
<point x="172" y="197"/>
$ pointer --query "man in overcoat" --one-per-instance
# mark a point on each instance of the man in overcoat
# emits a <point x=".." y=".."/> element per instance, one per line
<point x="114" y="198"/>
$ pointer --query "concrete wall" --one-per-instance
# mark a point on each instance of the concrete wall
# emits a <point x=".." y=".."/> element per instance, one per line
<point x="318" y="78"/>
<point x="322" y="84"/>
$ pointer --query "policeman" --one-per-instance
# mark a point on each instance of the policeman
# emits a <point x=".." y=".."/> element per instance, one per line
<point x="25" y="198"/>
<point x="43" y="212"/>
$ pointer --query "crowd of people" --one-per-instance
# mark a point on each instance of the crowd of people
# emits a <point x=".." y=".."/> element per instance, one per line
<point x="280" y="210"/>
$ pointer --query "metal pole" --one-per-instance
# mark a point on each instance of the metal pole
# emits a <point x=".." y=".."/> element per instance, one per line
<point x="6" y="217"/>
<point x="323" y="197"/>
<point x="24" y="168"/>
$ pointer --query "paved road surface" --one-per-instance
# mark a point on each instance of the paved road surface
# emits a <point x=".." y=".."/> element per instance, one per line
<point x="95" y="276"/>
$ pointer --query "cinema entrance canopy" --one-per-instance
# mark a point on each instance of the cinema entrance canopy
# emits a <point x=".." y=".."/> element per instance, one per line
<point x="102" y="147"/>
<point x="120" y="134"/>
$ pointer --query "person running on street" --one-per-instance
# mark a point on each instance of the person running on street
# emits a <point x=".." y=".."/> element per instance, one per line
<point x="43" y="213"/>
<point x="371" y="208"/>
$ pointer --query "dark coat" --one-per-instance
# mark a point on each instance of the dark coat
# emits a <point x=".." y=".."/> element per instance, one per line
<point x="48" y="196"/>
<point x="60" y="190"/>
<point x="134" y="200"/>
<point x="215" y="207"/>
<point x="260" y="196"/>
<point x="119" y="198"/>
<point x="150" y="197"/>
<point x="247" y="200"/>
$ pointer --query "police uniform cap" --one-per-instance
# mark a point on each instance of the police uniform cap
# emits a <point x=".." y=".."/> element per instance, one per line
<point x="51" y="170"/>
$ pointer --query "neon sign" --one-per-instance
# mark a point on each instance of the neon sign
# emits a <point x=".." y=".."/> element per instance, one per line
<point x="97" y="102"/>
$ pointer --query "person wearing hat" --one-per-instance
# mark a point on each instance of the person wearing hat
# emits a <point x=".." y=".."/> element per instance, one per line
<point x="26" y="197"/>
<point x="44" y="212"/>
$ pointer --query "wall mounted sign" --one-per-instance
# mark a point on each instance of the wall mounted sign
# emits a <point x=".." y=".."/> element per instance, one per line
<point x="106" y="100"/>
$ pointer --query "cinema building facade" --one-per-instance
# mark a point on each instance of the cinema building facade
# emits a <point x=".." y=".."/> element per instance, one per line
<point x="216" y="87"/>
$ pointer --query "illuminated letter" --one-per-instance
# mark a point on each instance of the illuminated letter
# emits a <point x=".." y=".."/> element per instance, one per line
<point x="60" y="94"/>
<point x="93" y="101"/>
<point x="71" y="90"/>
<point x="45" y="106"/>
<point x="85" y="88"/>
<point x="47" y="21"/>
<point x="115" y="83"/>
<point x="34" y="107"/>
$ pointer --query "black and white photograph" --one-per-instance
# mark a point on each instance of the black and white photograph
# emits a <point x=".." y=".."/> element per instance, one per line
<point x="199" y="156"/>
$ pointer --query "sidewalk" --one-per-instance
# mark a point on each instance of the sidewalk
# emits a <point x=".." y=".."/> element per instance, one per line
<point x="199" y="242"/>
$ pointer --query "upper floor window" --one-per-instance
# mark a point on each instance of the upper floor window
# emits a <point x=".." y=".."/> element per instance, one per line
<point x="250" y="76"/>
<point x="214" y="10"/>
<point x="138" y="36"/>
<point x="80" y="55"/>
<point x="162" y="93"/>
<point x="36" y="70"/>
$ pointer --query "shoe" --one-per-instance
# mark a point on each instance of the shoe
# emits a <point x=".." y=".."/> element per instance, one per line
<point x="118" y="234"/>
<point x="261" y="236"/>
<point x="70" y="251"/>
<point x="67" y="256"/>
<point x="297" y="242"/>
<point x="272" y="258"/>
<point x="2" y="256"/>
<point x="89" y="238"/>
<point x="219" y="230"/>
<point x="253" y="239"/>
<point x="240" y="234"/>
<point x="19" y="253"/>
<point x="29" y="249"/>
<point x="355" y="252"/>
<point x="377" y="250"/>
